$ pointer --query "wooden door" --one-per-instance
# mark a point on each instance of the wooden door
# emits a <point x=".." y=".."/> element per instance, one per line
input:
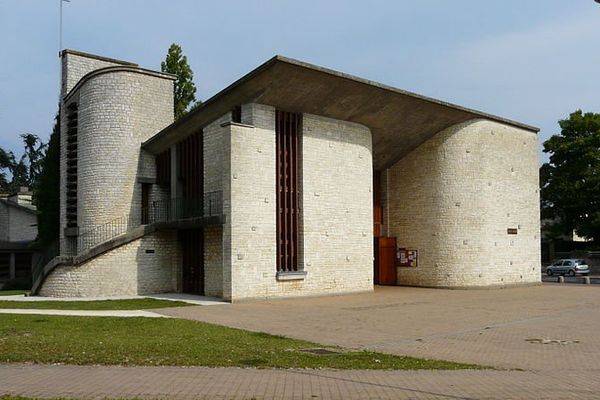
<point x="192" y="250"/>
<point x="385" y="261"/>
<point x="145" y="203"/>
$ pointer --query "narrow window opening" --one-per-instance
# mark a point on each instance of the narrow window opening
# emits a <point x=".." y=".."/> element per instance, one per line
<point x="288" y="131"/>
<point x="236" y="114"/>
<point x="71" y="135"/>
<point x="145" y="203"/>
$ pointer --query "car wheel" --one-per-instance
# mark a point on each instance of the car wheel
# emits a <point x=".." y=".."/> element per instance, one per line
<point x="571" y="273"/>
<point x="549" y="272"/>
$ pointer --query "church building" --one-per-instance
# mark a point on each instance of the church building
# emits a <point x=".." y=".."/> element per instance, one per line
<point x="295" y="180"/>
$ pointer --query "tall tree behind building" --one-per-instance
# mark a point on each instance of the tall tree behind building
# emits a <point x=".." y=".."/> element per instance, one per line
<point x="185" y="90"/>
<point x="47" y="194"/>
<point x="24" y="171"/>
<point x="570" y="181"/>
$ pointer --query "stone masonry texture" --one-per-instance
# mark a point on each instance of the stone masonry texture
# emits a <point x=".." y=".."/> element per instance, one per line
<point x="453" y="200"/>
<point x="126" y="270"/>
<point x="336" y="208"/>
<point x="117" y="111"/>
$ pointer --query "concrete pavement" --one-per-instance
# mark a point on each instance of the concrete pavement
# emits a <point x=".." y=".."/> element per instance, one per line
<point x="83" y="313"/>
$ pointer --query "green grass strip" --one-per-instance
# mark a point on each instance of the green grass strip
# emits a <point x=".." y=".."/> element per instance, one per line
<point x="146" y="341"/>
<point x="12" y="293"/>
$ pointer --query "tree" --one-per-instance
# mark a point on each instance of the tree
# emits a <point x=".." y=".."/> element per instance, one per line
<point x="7" y="161"/>
<point x="571" y="179"/>
<point x="25" y="171"/>
<point x="185" y="90"/>
<point x="47" y="195"/>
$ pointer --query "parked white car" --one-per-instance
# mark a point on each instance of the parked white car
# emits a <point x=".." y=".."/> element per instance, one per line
<point x="568" y="266"/>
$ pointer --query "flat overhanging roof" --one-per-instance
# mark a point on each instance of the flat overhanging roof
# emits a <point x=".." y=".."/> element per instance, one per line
<point x="399" y="120"/>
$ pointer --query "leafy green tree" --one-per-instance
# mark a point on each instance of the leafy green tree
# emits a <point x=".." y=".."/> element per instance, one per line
<point x="571" y="179"/>
<point x="47" y="195"/>
<point x="7" y="161"/>
<point x="25" y="171"/>
<point x="185" y="89"/>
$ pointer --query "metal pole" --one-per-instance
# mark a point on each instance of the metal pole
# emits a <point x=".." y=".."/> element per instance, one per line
<point x="60" y="28"/>
<point x="60" y="25"/>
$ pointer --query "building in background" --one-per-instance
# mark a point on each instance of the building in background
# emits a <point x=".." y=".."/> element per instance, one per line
<point x="295" y="180"/>
<point x="18" y="231"/>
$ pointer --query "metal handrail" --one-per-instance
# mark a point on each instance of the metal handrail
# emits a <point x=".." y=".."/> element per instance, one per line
<point x="104" y="232"/>
<point x="50" y="253"/>
<point x="183" y="208"/>
<point x="170" y="210"/>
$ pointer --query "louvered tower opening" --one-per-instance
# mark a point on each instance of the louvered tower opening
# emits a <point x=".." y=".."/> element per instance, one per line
<point x="71" y="135"/>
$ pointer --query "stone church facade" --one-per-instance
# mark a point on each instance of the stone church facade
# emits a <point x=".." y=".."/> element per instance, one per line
<point x="293" y="181"/>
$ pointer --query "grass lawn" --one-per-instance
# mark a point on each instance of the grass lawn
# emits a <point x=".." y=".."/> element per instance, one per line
<point x="130" y="304"/>
<point x="146" y="341"/>
<point x="12" y="293"/>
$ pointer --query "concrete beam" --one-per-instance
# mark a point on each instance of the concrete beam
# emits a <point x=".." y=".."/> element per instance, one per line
<point x="399" y="120"/>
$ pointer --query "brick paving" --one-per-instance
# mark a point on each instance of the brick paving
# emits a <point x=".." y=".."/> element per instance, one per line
<point x="551" y="332"/>
<point x="95" y="382"/>
<point x="500" y="328"/>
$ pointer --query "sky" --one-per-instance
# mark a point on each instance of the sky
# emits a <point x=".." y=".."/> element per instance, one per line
<point x="533" y="61"/>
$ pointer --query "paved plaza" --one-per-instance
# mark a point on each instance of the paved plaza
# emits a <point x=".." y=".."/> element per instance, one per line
<point x="237" y="384"/>
<point x="547" y="327"/>
<point x="542" y="340"/>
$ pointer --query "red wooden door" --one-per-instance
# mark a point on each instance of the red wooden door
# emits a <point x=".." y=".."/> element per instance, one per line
<point x="385" y="261"/>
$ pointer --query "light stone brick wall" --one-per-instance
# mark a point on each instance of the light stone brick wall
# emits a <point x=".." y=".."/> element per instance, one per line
<point x="213" y="261"/>
<point x="336" y="209"/>
<point x="453" y="199"/>
<point x="125" y="270"/>
<point x="117" y="112"/>
<point x="75" y="67"/>
<point x="215" y="173"/>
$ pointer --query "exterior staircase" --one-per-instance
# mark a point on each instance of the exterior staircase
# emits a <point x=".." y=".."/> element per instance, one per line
<point x="168" y="214"/>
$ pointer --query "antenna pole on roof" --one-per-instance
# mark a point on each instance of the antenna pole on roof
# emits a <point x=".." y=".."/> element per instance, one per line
<point x="60" y="44"/>
<point x="60" y="25"/>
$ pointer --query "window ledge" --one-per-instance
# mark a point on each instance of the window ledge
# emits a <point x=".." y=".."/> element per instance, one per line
<point x="291" y="276"/>
<point x="231" y="123"/>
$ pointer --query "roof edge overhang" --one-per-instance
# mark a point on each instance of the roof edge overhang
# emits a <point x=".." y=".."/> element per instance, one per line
<point x="281" y="78"/>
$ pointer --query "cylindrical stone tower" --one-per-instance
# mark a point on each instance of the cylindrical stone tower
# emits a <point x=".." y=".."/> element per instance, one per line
<point x="109" y="108"/>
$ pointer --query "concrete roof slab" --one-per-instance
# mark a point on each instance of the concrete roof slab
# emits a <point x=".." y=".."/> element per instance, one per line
<point x="399" y="120"/>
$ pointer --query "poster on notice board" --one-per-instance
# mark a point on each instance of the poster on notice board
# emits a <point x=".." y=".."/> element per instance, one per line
<point x="406" y="257"/>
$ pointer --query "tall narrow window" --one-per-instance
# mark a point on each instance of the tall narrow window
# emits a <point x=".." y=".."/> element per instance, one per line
<point x="145" y="203"/>
<point x="190" y="156"/>
<point x="71" y="165"/>
<point x="236" y="114"/>
<point x="288" y="131"/>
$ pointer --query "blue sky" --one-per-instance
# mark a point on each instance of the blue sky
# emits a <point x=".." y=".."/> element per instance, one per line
<point x="533" y="61"/>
